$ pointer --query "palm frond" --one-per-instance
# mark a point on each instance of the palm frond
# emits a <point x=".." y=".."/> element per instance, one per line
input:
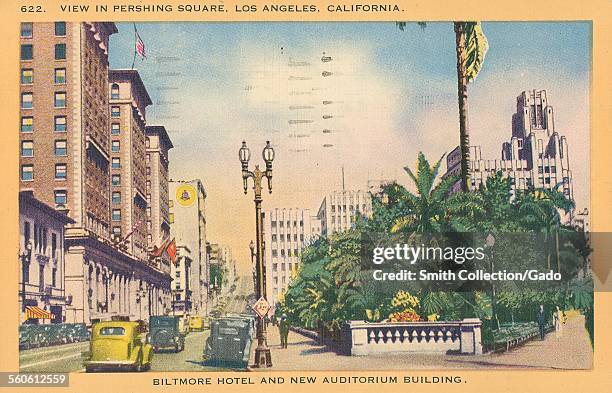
<point x="476" y="47"/>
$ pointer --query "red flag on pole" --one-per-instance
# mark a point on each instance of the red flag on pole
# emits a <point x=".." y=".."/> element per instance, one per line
<point x="171" y="250"/>
<point x="140" y="47"/>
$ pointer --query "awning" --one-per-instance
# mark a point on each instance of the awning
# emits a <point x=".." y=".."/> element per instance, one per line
<point x="37" y="313"/>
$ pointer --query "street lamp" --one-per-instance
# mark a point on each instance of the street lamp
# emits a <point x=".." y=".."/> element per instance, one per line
<point x="25" y="265"/>
<point x="263" y="357"/>
<point x="252" y="247"/>
<point x="489" y="243"/>
<point x="254" y="268"/>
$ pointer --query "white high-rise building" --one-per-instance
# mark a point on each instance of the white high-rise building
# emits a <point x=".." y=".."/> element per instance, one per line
<point x="339" y="209"/>
<point x="188" y="228"/>
<point x="536" y="155"/>
<point x="286" y="233"/>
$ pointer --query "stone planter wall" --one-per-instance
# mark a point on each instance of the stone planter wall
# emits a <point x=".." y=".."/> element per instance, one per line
<point x="361" y="338"/>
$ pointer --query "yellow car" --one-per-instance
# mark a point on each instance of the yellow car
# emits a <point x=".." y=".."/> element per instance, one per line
<point x="196" y="323"/>
<point x="118" y="345"/>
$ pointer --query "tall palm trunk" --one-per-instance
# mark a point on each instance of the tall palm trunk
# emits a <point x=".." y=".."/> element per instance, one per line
<point x="557" y="251"/>
<point x="547" y="242"/>
<point x="464" y="133"/>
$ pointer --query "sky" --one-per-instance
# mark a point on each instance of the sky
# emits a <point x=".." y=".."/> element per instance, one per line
<point x="386" y="95"/>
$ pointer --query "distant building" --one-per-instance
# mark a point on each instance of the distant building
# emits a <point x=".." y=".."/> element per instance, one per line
<point x="453" y="168"/>
<point x="286" y="233"/>
<point x="220" y="260"/>
<point x="536" y="155"/>
<point x="215" y="263"/>
<point x="158" y="144"/>
<point x="339" y="210"/>
<point x="182" y="290"/>
<point x="42" y="269"/>
<point x="188" y="227"/>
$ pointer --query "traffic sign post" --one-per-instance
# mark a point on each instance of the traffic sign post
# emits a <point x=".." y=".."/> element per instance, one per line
<point x="261" y="307"/>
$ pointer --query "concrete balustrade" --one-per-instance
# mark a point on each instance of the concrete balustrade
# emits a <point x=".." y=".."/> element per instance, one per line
<point x="362" y="338"/>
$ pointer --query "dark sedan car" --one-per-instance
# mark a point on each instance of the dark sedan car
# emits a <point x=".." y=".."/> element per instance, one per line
<point x="165" y="333"/>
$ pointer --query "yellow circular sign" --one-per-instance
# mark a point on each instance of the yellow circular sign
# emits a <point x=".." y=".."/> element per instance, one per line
<point x="186" y="195"/>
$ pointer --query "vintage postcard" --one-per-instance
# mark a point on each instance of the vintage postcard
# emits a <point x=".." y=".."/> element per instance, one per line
<point x="266" y="195"/>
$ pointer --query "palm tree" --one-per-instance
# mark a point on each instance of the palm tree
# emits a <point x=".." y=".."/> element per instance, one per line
<point x="471" y="47"/>
<point x="426" y="210"/>
<point x="325" y="291"/>
<point x="433" y="209"/>
<point x="540" y="211"/>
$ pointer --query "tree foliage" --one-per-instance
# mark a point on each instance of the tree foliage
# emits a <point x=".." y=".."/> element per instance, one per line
<point x="332" y="286"/>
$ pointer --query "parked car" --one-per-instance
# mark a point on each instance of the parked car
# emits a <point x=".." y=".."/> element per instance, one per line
<point x="118" y="345"/>
<point x="165" y="333"/>
<point x="36" y="336"/>
<point x="230" y="341"/>
<point x="206" y="322"/>
<point x="196" y="323"/>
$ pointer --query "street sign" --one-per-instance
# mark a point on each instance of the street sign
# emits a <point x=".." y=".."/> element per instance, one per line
<point x="261" y="307"/>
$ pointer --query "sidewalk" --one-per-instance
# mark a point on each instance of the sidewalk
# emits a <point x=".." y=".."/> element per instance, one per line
<point x="570" y="351"/>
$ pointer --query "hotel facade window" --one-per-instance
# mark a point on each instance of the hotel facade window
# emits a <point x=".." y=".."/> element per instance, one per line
<point x="27" y="29"/>
<point x="60" y="51"/>
<point x="27" y="149"/>
<point x="27" y="124"/>
<point x="116" y="163"/>
<point x="60" y="171"/>
<point x="27" y="100"/>
<point x="60" y="76"/>
<point x="115" y="146"/>
<point x="115" y="91"/>
<point x="115" y="130"/>
<point x="116" y="198"/>
<point x="61" y="148"/>
<point x="116" y="215"/>
<point x="27" y="76"/>
<point x="115" y="111"/>
<point x="116" y="180"/>
<point x="59" y="100"/>
<point x="27" y="52"/>
<point x="27" y="172"/>
<point x="60" y="29"/>
<point x="60" y="197"/>
<point x="60" y="123"/>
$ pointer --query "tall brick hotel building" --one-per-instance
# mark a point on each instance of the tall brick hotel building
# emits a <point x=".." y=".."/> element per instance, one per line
<point x="82" y="152"/>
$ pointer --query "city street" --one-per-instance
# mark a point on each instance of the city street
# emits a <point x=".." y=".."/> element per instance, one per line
<point x="67" y="358"/>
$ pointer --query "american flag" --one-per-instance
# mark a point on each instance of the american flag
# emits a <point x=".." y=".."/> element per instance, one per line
<point x="140" y="47"/>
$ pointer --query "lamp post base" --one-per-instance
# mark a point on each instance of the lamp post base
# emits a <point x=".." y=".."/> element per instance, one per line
<point x="263" y="357"/>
